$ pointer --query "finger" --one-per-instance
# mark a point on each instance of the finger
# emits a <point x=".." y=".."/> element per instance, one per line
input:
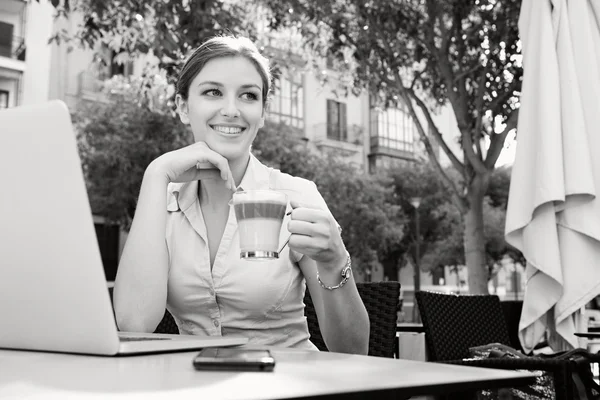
<point x="210" y="156"/>
<point x="296" y="204"/>
<point x="208" y="174"/>
<point x="306" y="244"/>
<point x="307" y="228"/>
<point x="309" y="215"/>
<point x="204" y="165"/>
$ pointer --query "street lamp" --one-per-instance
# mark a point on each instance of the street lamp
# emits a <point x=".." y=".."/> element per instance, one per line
<point x="416" y="202"/>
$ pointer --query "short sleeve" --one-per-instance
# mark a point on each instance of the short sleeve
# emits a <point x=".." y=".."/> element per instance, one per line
<point x="173" y="197"/>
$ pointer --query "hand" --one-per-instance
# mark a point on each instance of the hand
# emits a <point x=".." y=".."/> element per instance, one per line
<point x="315" y="233"/>
<point x="194" y="162"/>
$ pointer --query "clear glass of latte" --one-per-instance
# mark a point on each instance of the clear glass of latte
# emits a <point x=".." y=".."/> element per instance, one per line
<point x="259" y="214"/>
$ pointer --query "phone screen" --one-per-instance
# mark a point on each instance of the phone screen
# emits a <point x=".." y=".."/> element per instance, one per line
<point x="234" y="359"/>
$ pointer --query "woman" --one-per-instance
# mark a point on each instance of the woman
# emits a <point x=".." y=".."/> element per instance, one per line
<point x="183" y="250"/>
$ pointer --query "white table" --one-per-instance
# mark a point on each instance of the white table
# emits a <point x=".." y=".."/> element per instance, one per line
<point x="298" y="374"/>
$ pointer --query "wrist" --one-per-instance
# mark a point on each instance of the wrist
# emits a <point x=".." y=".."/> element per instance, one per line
<point x="333" y="266"/>
<point x="332" y="279"/>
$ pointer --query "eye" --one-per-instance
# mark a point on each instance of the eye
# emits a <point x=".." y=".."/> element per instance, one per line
<point x="212" y="93"/>
<point x="249" y="96"/>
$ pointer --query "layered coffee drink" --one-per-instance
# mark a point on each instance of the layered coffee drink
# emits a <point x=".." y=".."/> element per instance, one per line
<point x="259" y="214"/>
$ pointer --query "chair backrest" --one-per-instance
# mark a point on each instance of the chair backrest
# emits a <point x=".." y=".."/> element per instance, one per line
<point x="512" y="315"/>
<point x="454" y="323"/>
<point x="381" y="300"/>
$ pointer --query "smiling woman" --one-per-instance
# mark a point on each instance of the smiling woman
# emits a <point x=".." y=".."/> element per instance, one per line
<point x="183" y="249"/>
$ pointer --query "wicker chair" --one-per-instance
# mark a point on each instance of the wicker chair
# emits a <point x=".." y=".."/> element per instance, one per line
<point x="512" y="315"/>
<point x="453" y="323"/>
<point x="381" y="300"/>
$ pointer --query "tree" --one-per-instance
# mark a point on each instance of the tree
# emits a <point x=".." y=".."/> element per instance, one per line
<point x="119" y="137"/>
<point x="410" y="181"/>
<point x="426" y="54"/>
<point x="167" y="29"/>
<point x="445" y="245"/>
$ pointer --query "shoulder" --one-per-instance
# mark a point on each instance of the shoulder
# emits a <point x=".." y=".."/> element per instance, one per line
<point x="282" y="180"/>
<point x="302" y="190"/>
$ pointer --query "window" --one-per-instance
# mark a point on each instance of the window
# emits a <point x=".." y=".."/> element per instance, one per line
<point x="438" y="276"/>
<point x="6" y="39"/>
<point x="337" y="125"/>
<point x="393" y="129"/>
<point x="116" y="68"/>
<point x="287" y="102"/>
<point x="3" y="99"/>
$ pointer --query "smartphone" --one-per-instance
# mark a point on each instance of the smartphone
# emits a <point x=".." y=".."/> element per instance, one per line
<point x="234" y="359"/>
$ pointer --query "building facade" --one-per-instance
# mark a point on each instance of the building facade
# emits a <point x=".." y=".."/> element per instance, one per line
<point x="25" y="28"/>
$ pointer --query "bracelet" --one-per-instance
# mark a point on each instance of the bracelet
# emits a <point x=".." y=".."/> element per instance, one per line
<point x="346" y="274"/>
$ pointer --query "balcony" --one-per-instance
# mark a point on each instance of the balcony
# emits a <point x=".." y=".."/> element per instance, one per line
<point x="380" y="145"/>
<point x="15" y="49"/>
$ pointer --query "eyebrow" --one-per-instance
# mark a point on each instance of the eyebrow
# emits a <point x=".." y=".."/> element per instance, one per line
<point x="246" y="86"/>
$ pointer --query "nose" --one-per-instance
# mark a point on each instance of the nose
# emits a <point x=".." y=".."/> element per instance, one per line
<point x="230" y="108"/>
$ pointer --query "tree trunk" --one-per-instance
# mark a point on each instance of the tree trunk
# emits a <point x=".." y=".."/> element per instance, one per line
<point x="474" y="239"/>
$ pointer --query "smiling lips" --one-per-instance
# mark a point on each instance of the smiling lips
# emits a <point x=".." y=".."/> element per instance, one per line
<point x="230" y="130"/>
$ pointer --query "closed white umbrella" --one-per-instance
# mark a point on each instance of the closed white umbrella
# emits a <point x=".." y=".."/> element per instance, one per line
<point x="553" y="213"/>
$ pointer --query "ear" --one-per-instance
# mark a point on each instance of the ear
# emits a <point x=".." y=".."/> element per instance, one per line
<point x="182" y="109"/>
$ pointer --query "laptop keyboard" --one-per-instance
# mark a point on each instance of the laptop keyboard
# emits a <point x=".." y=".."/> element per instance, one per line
<point x="140" y="338"/>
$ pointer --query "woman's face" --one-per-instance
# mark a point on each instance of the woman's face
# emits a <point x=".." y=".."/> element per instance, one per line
<point x="225" y="106"/>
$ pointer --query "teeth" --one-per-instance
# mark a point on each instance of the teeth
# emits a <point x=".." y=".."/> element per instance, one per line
<point x="228" y="129"/>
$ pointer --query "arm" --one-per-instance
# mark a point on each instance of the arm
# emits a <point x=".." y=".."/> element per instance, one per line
<point x="342" y="316"/>
<point x="141" y="284"/>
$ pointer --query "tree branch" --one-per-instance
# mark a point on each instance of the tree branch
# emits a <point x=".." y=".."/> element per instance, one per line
<point x="456" y="163"/>
<point x="507" y="94"/>
<point x="418" y="75"/>
<point x="497" y="140"/>
<point x="467" y="141"/>
<point x="479" y="109"/>
<point x="479" y="152"/>
<point x="408" y="96"/>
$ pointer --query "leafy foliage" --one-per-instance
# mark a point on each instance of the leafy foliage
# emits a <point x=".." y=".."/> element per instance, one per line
<point x="167" y="29"/>
<point x="119" y="137"/>
<point x="442" y="226"/>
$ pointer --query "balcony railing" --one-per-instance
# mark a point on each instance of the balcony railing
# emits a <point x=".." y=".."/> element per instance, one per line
<point x="15" y="49"/>
<point x="391" y="147"/>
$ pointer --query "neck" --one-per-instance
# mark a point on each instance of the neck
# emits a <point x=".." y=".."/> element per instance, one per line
<point x="214" y="192"/>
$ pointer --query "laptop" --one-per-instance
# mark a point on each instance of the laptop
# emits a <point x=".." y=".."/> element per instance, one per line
<point x="53" y="291"/>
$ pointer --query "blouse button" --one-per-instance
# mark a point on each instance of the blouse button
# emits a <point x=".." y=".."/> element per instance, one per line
<point x="216" y="322"/>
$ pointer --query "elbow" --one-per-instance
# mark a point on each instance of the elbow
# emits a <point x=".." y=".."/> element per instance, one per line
<point x="133" y="325"/>
<point x="135" y="322"/>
